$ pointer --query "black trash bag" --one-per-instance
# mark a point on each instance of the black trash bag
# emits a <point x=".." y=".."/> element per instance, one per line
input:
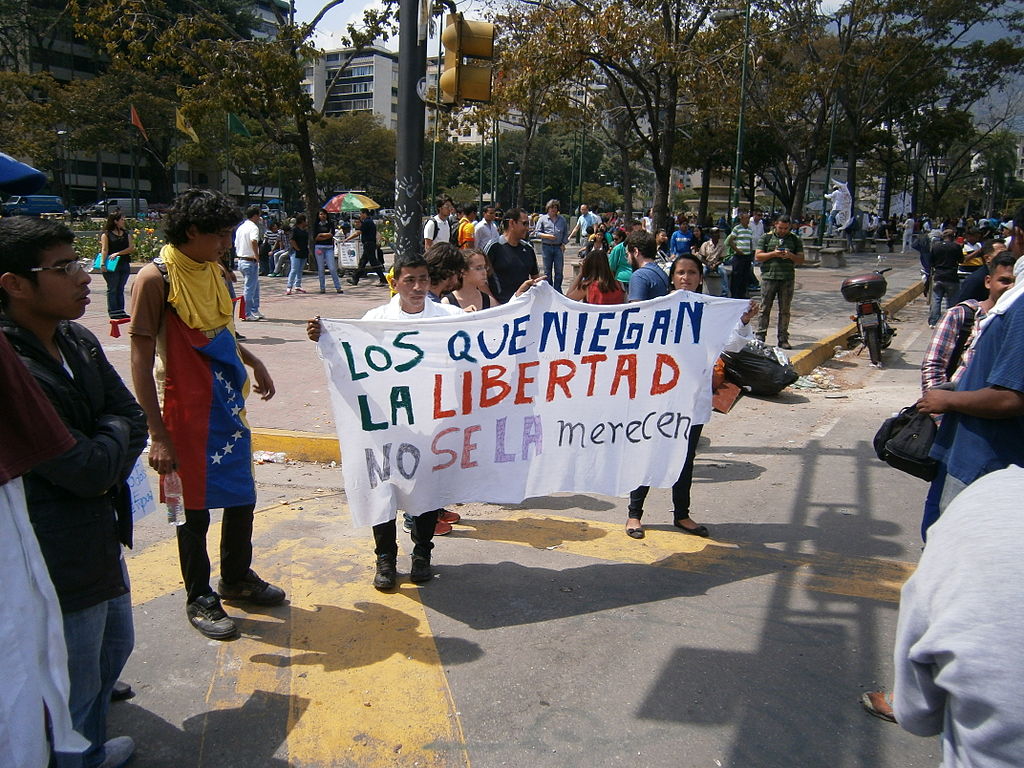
<point x="759" y="369"/>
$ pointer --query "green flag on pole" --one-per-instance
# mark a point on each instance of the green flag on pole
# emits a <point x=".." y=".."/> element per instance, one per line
<point x="235" y="125"/>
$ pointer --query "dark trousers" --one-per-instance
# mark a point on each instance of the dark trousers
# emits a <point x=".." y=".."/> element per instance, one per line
<point x="235" y="548"/>
<point x="368" y="264"/>
<point x="680" y="488"/>
<point x="739" y="280"/>
<point x="116" y="282"/>
<point x="385" y="536"/>
<point x="770" y="289"/>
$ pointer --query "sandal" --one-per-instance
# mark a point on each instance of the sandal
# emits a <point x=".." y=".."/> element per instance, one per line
<point x="700" y="530"/>
<point x="635" y="533"/>
<point x="879" y="704"/>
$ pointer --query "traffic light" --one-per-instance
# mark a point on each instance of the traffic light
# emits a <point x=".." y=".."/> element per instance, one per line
<point x="468" y="51"/>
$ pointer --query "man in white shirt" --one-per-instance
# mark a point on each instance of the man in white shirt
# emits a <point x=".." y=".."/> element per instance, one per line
<point x="757" y="226"/>
<point x="437" y="229"/>
<point x="411" y="283"/>
<point x="247" y="250"/>
<point x="486" y="230"/>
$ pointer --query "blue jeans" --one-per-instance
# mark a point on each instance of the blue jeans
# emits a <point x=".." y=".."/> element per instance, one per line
<point x="942" y="289"/>
<point x="250" y="269"/>
<point x="100" y="640"/>
<point x="295" y="273"/>
<point x="325" y="255"/>
<point x="116" y="282"/>
<point x="553" y="259"/>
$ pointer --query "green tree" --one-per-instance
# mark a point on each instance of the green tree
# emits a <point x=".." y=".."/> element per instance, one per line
<point x="226" y="67"/>
<point x="354" y="151"/>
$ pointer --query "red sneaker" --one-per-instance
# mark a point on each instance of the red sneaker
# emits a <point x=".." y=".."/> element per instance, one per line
<point x="444" y="516"/>
<point x="442" y="528"/>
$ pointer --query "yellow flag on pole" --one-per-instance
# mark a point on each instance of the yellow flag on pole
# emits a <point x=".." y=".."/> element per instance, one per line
<point x="184" y="126"/>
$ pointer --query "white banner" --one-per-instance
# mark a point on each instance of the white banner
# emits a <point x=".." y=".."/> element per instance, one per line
<point x="537" y="396"/>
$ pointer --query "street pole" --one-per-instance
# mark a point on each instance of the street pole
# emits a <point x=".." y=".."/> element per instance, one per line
<point x="583" y="141"/>
<point x="734" y="194"/>
<point x="828" y="177"/>
<point x="412" y="67"/>
<point x="480" y="202"/>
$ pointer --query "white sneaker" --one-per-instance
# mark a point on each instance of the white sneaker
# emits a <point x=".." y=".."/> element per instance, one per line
<point x="118" y="751"/>
<point x="259" y="316"/>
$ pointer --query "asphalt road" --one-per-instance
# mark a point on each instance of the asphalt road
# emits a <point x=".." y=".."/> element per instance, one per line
<point x="549" y="638"/>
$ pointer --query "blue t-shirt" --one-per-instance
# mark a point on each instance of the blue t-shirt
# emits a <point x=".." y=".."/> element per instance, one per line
<point x="648" y="282"/>
<point x="681" y="242"/>
<point x="970" y="446"/>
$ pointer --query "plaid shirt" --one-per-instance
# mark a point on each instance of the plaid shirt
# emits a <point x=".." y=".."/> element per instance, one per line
<point x="943" y="343"/>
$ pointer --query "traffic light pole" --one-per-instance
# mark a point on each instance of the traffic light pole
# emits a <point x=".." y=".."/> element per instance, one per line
<point x="412" y="71"/>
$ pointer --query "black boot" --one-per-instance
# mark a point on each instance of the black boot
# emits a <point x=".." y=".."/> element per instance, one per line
<point x="386" y="573"/>
<point x="421" y="571"/>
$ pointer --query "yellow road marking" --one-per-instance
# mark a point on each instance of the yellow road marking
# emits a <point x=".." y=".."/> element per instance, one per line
<point x="820" y="572"/>
<point x="361" y="671"/>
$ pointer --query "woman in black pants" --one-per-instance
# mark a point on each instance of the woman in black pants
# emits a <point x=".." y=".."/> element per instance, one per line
<point x="116" y="242"/>
<point x="686" y="275"/>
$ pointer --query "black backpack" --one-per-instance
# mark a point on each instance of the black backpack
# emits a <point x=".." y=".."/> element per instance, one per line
<point x="904" y="441"/>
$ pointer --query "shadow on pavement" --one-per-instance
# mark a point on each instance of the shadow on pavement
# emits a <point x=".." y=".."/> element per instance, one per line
<point x="334" y="638"/>
<point x="240" y="737"/>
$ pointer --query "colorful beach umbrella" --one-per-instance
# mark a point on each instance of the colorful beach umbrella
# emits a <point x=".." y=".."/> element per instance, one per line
<point x="349" y="201"/>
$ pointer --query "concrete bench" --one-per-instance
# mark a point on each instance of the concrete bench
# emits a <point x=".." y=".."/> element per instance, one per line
<point x="880" y="245"/>
<point x="833" y="257"/>
<point x="812" y="255"/>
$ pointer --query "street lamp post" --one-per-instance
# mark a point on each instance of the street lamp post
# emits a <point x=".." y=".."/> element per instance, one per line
<point x="734" y="194"/>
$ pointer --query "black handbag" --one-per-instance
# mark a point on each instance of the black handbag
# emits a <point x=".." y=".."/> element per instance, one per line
<point x="904" y="441"/>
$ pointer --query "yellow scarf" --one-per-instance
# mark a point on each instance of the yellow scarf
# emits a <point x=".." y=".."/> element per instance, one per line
<point x="197" y="291"/>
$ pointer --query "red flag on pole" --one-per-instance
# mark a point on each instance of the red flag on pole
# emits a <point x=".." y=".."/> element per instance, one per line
<point x="138" y="123"/>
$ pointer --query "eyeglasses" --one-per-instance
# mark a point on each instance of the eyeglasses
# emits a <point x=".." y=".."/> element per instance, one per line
<point x="69" y="268"/>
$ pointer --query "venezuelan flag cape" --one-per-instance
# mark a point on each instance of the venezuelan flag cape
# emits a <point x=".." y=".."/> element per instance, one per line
<point x="204" y="410"/>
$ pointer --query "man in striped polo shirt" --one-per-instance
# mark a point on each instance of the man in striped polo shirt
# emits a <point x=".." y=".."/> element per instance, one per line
<point x="739" y="245"/>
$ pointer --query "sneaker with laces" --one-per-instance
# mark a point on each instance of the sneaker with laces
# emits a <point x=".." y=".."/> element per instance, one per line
<point x="449" y="517"/>
<point x="118" y="751"/>
<point x="206" y="614"/>
<point x="251" y="589"/>
<point x="421" y="571"/>
<point x="386" y="574"/>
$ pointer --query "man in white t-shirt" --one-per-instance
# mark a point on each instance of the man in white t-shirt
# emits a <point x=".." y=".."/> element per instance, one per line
<point x="247" y="251"/>
<point x="437" y="229"/>
<point x="411" y="283"/>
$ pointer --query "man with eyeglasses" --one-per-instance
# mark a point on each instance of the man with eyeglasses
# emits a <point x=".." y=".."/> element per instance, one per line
<point x="514" y="261"/>
<point x="78" y="502"/>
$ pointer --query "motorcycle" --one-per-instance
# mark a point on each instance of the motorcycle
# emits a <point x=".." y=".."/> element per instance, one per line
<point x="873" y="328"/>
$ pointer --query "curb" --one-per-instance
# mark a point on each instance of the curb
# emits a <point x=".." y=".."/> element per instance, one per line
<point x="313" y="446"/>
<point x="806" y="360"/>
<point x="300" y="446"/>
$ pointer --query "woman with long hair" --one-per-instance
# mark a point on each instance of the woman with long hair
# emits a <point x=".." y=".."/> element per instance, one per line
<point x="686" y="275"/>
<point x="595" y="283"/>
<point x="471" y="289"/>
<point x="116" y="243"/>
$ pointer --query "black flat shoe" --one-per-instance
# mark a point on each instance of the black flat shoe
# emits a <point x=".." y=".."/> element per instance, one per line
<point x="700" y="530"/>
<point x="635" y="533"/>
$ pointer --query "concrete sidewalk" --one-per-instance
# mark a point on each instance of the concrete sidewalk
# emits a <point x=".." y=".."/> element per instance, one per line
<point x="298" y="420"/>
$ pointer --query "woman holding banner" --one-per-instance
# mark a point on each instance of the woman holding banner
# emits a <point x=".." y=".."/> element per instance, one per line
<point x="686" y="275"/>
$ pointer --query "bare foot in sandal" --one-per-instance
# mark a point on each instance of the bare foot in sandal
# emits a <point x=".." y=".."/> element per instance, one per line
<point x="634" y="528"/>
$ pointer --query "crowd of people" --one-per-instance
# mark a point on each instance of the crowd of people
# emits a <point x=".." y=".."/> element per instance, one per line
<point x="74" y="432"/>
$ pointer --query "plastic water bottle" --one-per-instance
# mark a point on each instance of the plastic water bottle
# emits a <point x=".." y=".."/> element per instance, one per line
<point x="172" y="498"/>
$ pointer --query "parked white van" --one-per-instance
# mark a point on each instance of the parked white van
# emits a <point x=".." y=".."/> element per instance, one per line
<point x="126" y="204"/>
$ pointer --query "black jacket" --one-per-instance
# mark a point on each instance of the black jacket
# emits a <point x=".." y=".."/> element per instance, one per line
<point x="78" y="502"/>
